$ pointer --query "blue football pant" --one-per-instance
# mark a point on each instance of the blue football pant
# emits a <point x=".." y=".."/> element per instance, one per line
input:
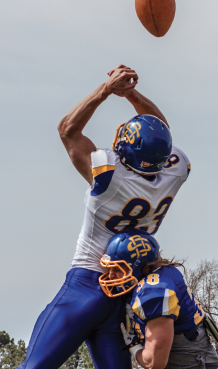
<point x="79" y="312"/>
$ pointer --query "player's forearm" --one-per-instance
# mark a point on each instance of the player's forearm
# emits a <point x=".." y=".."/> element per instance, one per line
<point x="77" y="118"/>
<point x="150" y="360"/>
<point x="145" y="359"/>
<point x="144" y="106"/>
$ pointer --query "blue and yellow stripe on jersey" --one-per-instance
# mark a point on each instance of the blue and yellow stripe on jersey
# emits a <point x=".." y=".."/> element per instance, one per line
<point x="170" y="304"/>
<point x="188" y="168"/>
<point x="137" y="308"/>
<point x="102" y="176"/>
<point x="103" y="167"/>
<point x="165" y="293"/>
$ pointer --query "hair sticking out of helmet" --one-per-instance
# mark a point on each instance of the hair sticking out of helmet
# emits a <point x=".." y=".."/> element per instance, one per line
<point x="144" y="144"/>
<point x="129" y="252"/>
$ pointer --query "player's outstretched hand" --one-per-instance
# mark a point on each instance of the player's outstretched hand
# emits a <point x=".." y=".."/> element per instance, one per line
<point x="122" y="80"/>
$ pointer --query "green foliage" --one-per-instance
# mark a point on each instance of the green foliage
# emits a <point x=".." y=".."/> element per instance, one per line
<point x="11" y="354"/>
<point x="4" y="339"/>
<point x="81" y="359"/>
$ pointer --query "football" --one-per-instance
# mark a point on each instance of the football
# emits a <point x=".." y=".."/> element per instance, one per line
<point x="156" y="15"/>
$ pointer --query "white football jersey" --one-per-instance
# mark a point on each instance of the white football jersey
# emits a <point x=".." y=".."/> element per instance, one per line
<point x="120" y="198"/>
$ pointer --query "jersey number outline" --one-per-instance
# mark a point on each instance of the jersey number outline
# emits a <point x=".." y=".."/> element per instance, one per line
<point x="136" y="209"/>
<point x="199" y="314"/>
<point x="172" y="160"/>
<point x="153" y="279"/>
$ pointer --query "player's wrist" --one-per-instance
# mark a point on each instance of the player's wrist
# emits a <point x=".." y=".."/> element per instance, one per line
<point x="131" y="96"/>
<point x="133" y="350"/>
<point x="107" y="90"/>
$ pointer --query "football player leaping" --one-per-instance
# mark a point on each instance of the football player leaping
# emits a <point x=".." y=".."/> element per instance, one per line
<point x="131" y="186"/>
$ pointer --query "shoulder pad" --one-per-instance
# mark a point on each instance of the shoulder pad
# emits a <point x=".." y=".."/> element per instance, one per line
<point x="154" y="298"/>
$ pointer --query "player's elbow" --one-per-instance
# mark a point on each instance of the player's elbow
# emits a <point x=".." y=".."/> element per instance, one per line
<point x="63" y="127"/>
<point x="155" y="364"/>
<point x="68" y="131"/>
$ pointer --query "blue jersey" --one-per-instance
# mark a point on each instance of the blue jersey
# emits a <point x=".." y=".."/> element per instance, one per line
<point x="165" y="293"/>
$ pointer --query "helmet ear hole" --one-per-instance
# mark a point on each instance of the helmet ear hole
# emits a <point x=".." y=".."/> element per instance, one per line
<point x="139" y="143"/>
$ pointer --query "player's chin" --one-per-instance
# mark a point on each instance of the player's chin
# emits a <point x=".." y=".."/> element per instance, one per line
<point x="149" y="174"/>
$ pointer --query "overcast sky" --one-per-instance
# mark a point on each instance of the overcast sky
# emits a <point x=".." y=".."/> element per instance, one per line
<point x="53" y="54"/>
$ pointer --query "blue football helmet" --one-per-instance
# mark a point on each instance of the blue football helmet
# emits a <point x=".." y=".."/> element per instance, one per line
<point x="144" y="144"/>
<point x="134" y="249"/>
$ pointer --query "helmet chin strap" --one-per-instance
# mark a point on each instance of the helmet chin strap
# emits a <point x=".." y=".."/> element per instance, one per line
<point x="136" y="264"/>
<point x="143" y="173"/>
<point x="148" y="174"/>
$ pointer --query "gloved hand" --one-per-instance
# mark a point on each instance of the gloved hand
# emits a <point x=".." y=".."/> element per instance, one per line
<point x="132" y="341"/>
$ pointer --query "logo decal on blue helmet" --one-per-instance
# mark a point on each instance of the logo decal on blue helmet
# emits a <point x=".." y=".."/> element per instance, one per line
<point x="139" y="245"/>
<point x="144" y="165"/>
<point x="131" y="131"/>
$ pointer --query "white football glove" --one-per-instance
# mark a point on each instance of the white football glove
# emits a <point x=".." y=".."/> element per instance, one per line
<point x="133" y="343"/>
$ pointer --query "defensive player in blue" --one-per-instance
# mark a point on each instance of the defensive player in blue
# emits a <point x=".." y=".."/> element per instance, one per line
<point x="132" y="185"/>
<point x="167" y="329"/>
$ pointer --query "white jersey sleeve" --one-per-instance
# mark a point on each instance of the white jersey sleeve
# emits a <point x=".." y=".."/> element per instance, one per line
<point x="103" y="167"/>
<point x="101" y="158"/>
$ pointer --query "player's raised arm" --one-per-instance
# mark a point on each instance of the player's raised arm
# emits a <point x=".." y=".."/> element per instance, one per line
<point x="78" y="146"/>
<point x="141" y="103"/>
<point x="145" y="106"/>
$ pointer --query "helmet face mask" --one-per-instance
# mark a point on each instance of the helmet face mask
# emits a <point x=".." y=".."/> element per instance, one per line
<point x="144" y="144"/>
<point x="116" y="287"/>
<point x="132" y="249"/>
<point x="117" y="136"/>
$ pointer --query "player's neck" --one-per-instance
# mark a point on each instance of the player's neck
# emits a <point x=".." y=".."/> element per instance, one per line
<point x="149" y="178"/>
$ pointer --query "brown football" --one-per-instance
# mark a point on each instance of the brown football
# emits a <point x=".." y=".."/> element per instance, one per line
<point x="156" y="15"/>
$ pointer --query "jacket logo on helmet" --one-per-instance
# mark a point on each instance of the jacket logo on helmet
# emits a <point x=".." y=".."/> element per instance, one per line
<point x="139" y="246"/>
<point x="132" y="131"/>
<point x="144" y="164"/>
